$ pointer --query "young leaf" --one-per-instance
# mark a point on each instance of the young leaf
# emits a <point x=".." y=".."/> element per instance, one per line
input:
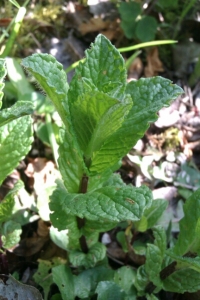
<point x="96" y="253"/>
<point x="62" y="276"/>
<point x="148" y="96"/>
<point x="13" y="149"/>
<point x="104" y="67"/>
<point x="10" y="234"/>
<point x="19" y="109"/>
<point x="2" y="76"/>
<point x="141" y="280"/>
<point x="189" y="236"/>
<point x="95" y="117"/>
<point x="124" y="278"/>
<point x="7" y="205"/>
<point x="181" y="281"/>
<point x="109" y="290"/>
<point x="108" y="204"/>
<point x="86" y="282"/>
<point x="51" y="77"/>
<point x="151" y="215"/>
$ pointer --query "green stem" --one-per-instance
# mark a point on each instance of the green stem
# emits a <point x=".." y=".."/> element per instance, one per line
<point x="80" y="221"/>
<point x="17" y="24"/>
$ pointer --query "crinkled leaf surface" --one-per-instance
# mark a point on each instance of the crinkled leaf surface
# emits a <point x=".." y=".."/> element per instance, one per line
<point x="148" y="95"/>
<point x="50" y="75"/>
<point x="189" y="236"/>
<point x="141" y="280"/>
<point x="95" y="117"/>
<point x="95" y="254"/>
<point x="2" y="75"/>
<point x="86" y="282"/>
<point x="124" y="278"/>
<point x="19" y="109"/>
<point x="62" y="276"/>
<point x="183" y="280"/>
<point x="15" y="142"/>
<point x="104" y="67"/>
<point x="108" y="204"/>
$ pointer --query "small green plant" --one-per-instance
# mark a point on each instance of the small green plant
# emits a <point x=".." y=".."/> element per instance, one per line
<point x="103" y="117"/>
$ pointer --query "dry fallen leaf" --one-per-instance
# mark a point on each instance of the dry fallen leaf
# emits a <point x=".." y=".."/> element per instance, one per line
<point x="154" y="65"/>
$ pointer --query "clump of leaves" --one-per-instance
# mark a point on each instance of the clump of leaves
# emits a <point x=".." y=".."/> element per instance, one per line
<point x="103" y="117"/>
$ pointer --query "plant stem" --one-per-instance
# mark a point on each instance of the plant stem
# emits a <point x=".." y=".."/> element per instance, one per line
<point x="80" y="221"/>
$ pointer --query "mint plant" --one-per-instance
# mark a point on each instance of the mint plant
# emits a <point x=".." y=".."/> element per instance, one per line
<point x="103" y="117"/>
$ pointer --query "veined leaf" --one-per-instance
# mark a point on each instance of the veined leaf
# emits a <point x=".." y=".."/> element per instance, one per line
<point x="51" y="77"/>
<point x="104" y="67"/>
<point x="19" y="109"/>
<point x="155" y="255"/>
<point x="95" y="117"/>
<point x="70" y="161"/>
<point x="181" y="281"/>
<point x="15" y="142"/>
<point x="109" y="203"/>
<point x="95" y="254"/>
<point x="10" y="234"/>
<point x="148" y="95"/>
<point x="2" y="76"/>
<point x="189" y="236"/>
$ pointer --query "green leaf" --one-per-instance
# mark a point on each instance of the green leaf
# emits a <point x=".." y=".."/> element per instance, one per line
<point x="146" y="28"/>
<point x="148" y="95"/>
<point x="17" y="77"/>
<point x="129" y="11"/>
<point x="19" y="109"/>
<point x="2" y="76"/>
<point x="108" y="290"/>
<point x="86" y="282"/>
<point x="64" y="221"/>
<point x="151" y="297"/>
<point x="141" y="280"/>
<point x="109" y="203"/>
<point x="181" y="281"/>
<point x="103" y="69"/>
<point x="95" y="254"/>
<point x="151" y="215"/>
<point x="189" y="236"/>
<point x="124" y="278"/>
<point x="186" y="262"/>
<point x="155" y="255"/>
<point x="51" y="77"/>
<point x="63" y="277"/>
<point x="42" y="277"/>
<point x="95" y="117"/>
<point x="15" y="142"/>
<point x="10" y="234"/>
<point x="7" y="205"/>
<point x="70" y="162"/>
